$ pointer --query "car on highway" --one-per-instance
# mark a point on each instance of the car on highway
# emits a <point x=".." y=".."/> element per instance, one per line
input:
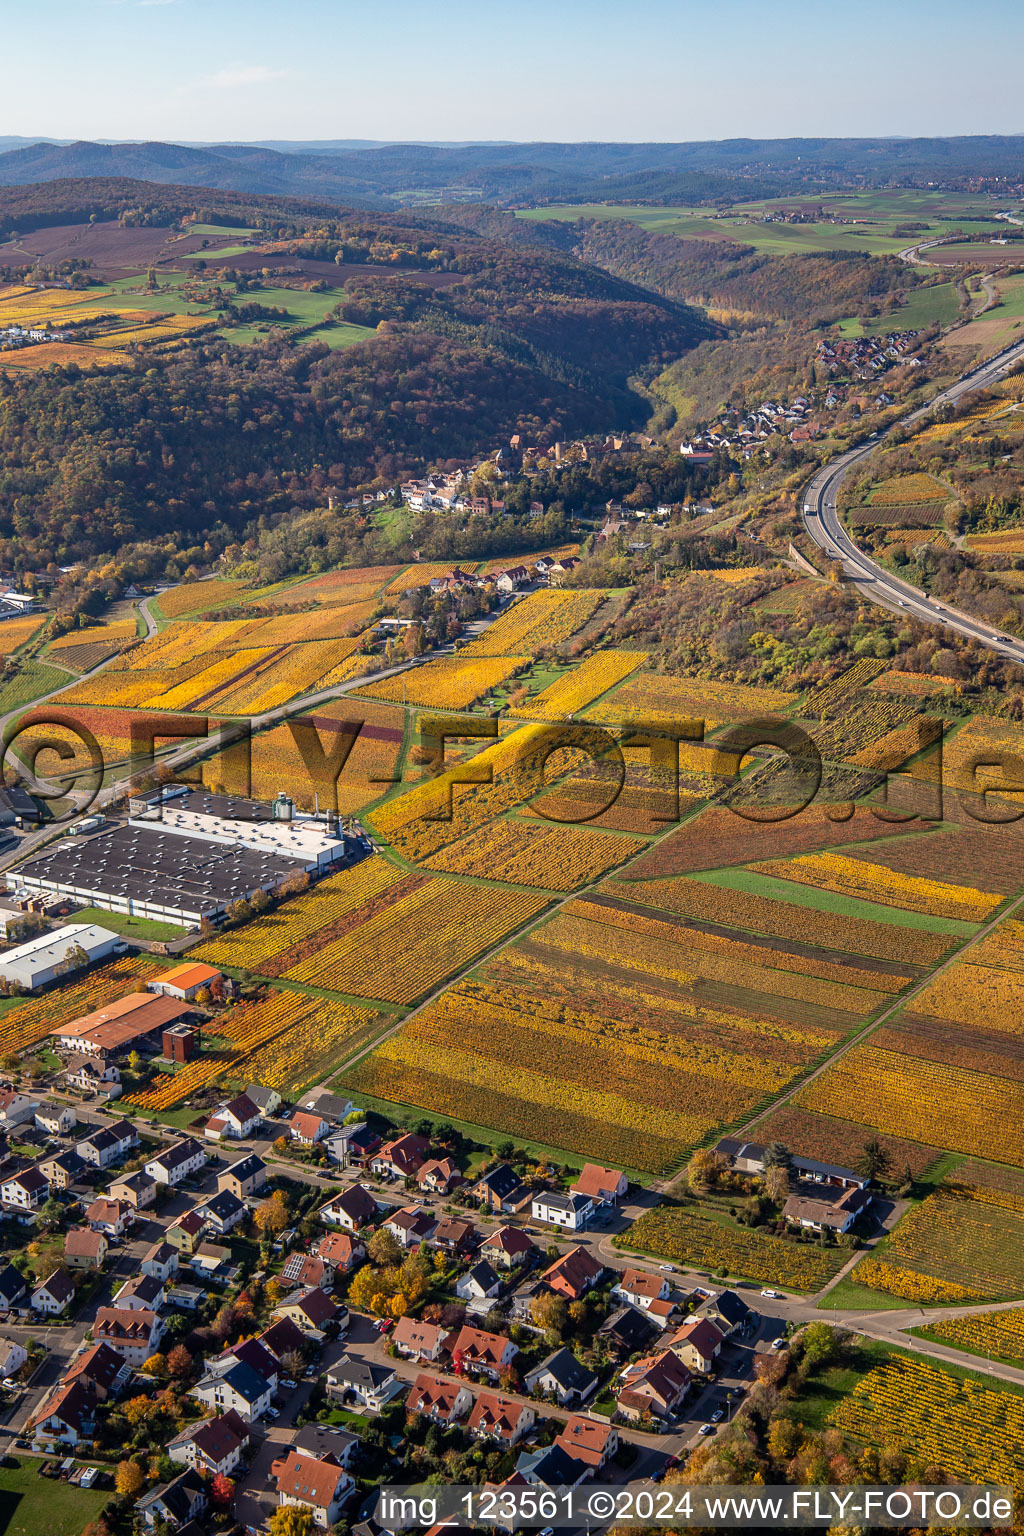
<point x="772" y="1295"/>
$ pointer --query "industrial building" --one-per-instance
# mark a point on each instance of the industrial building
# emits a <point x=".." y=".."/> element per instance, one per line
<point x="43" y="959"/>
<point x="135" y="1022"/>
<point x="184" y="859"/>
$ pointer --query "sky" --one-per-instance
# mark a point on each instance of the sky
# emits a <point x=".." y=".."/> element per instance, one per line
<point x="666" y="70"/>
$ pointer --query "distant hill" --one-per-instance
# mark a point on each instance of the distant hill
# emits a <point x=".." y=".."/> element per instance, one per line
<point x="362" y="175"/>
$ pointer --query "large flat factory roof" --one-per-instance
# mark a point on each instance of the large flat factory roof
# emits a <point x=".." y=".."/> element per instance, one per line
<point x="145" y="863"/>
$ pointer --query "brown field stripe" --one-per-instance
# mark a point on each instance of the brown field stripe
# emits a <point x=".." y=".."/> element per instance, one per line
<point x="233" y="682"/>
<point x="763" y="941"/>
<point x="303" y="948"/>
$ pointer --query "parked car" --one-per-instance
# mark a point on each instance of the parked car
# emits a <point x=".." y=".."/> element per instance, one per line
<point x="707" y="1429"/>
<point x="779" y="1343"/>
<point x="774" y="1295"/>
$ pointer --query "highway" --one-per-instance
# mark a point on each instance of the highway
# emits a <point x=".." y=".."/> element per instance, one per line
<point x="823" y="524"/>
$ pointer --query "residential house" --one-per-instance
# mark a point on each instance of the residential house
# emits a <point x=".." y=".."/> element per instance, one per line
<point x="186" y="981"/>
<point x="454" y="1236"/>
<point x="85" y="1248"/>
<point x="317" y="1484"/>
<point x="178" y="1162"/>
<point x="16" y="1109"/>
<point x="348" y="1144"/>
<point x="417" y="1340"/>
<point x="439" y="1175"/>
<point x="310" y="1310"/>
<point x="282" y="1338"/>
<point x="363" y="1383"/>
<point x="214" y="1448"/>
<point x="222" y="1212"/>
<point x="626" y="1331"/>
<point x="339" y="1251"/>
<point x="267" y="1100"/>
<point x="62" y="1169"/>
<point x="823" y="1208"/>
<point x="411" y="1226"/>
<point x="102" y="1370"/>
<point x="501" y="1189"/>
<point x="552" y="1467"/>
<point x="175" y="1503"/>
<point x="322" y="1102"/>
<point x="131" y="1332"/>
<point x="727" y="1311"/>
<point x="56" y="1119"/>
<point x="161" y="1261"/>
<point x="307" y="1129"/>
<point x="89" y="1074"/>
<point x="65" y="1417"/>
<point x="212" y="1262"/>
<point x="111" y="1217"/>
<point x="109" y="1144"/>
<point x="649" y="1293"/>
<point x="236" y="1389"/>
<point x="350" y="1209"/>
<point x="437" y="1399"/>
<point x="256" y="1355"/>
<point x="655" y="1385"/>
<point x="489" y="1353"/>
<point x="604" y="1186"/>
<point x="137" y="1190"/>
<point x="697" y="1343"/>
<point x="748" y="1157"/>
<point x="186" y="1233"/>
<point x="479" y="1283"/>
<point x="495" y="1417"/>
<point x="305" y="1270"/>
<point x="12" y="1287"/>
<point x="589" y="1441"/>
<point x="142" y="1293"/>
<point x="235" y="1120"/>
<point x="570" y="1212"/>
<point x="574" y="1274"/>
<point x="12" y="1357"/>
<point x="507" y="1247"/>
<point x="401" y="1158"/>
<point x="23" y="1193"/>
<point x="54" y="1295"/>
<point x="246" y="1177"/>
<point x="562" y="1377"/>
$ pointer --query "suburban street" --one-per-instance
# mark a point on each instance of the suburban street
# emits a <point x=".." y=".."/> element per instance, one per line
<point x="824" y="525"/>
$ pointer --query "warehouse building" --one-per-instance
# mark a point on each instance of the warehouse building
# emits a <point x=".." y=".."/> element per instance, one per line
<point x="44" y="958"/>
<point x="183" y="861"/>
<point x="134" y="1023"/>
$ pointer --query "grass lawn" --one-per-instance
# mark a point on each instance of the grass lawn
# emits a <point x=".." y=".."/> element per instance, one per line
<point x="130" y="927"/>
<point x="31" y="1505"/>
<point x="823" y="1392"/>
<point x="849" y="1296"/>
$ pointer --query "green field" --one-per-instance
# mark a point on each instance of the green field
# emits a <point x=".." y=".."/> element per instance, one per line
<point x="923" y="307"/>
<point x="31" y="1505"/>
<point x="870" y="221"/>
<point x="305" y="310"/>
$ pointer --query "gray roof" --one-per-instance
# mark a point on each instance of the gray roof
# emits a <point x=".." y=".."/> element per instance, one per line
<point x="569" y="1372"/>
<point x="168" y="869"/>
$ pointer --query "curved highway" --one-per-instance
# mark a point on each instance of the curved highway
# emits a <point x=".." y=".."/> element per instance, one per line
<point x="823" y="524"/>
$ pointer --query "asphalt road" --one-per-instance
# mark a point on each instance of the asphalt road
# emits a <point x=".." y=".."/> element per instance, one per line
<point x="823" y="524"/>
